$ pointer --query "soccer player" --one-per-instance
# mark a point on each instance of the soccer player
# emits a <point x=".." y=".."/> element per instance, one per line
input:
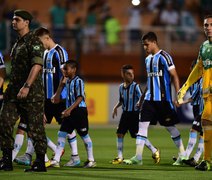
<point x="129" y="94"/>
<point x="203" y="69"/>
<point x="54" y="58"/>
<point x="2" y="77"/>
<point x="158" y="105"/>
<point x="75" y="115"/>
<point x="197" y="103"/>
<point x="24" y="94"/>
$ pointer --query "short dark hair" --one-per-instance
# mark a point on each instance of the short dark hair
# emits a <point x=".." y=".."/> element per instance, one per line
<point x="72" y="63"/>
<point x="126" y="67"/>
<point x="42" y="31"/>
<point x="150" y="36"/>
<point x="208" y="16"/>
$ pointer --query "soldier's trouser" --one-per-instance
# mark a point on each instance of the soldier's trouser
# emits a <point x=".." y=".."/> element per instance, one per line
<point x="33" y="112"/>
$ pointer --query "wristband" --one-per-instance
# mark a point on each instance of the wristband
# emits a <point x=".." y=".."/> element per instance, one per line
<point x="26" y="85"/>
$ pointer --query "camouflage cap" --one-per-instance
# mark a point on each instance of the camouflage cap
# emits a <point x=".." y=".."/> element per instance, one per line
<point x="23" y="14"/>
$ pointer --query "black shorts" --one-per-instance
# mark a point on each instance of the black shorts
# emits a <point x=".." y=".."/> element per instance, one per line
<point x="158" y="111"/>
<point x="77" y="120"/>
<point x="54" y="110"/>
<point x="196" y="125"/>
<point x="128" y="122"/>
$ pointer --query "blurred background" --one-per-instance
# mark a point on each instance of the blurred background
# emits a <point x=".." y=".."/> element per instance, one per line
<point x="103" y="35"/>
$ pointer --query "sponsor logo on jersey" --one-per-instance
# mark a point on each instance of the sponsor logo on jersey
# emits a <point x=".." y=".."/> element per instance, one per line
<point x="207" y="62"/>
<point x="152" y="74"/>
<point x="49" y="70"/>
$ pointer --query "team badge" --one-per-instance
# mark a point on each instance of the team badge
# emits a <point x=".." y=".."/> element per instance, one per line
<point x="36" y="48"/>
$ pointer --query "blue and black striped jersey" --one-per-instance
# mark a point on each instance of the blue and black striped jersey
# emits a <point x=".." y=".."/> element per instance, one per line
<point x="75" y="88"/>
<point x="53" y="59"/>
<point x="129" y="96"/>
<point x="196" y="95"/>
<point x="2" y="65"/>
<point x="1" y="61"/>
<point x="158" y="77"/>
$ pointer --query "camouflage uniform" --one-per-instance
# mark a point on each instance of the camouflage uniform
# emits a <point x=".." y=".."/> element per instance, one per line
<point x="26" y="52"/>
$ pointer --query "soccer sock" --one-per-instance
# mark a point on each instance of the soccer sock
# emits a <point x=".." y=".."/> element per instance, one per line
<point x="149" y="145"/>
<point x="207" y="136"/>
<point x="119" y="142"/>
<point x="175" y="135"/>
<point x="140" y="142"/>
<point x="19" y="139"/>
<point x="72" y="140"/>
<point x="46" y="158"/>
<point x="89" y="146"/>
<point x="51" y="145"/>
<point x="30" y="148"/>
<point x="191" y="143"/>
<point x="141" y="138"/>
<point x="60" y="145"/>
<point x="199" y="149"/>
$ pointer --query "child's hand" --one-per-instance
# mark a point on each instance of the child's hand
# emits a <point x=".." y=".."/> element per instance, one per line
<point x="114" y="112"/>
<point x="66" y="113"/>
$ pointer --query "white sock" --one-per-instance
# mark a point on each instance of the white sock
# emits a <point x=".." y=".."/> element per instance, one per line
<point x="72" y="140"/>
<point x="120" y="147"/>
<point x="60" y="145"/>
<point x="51" y="145"/>
<point x="30" y="148"/>
<point x="140" y="142"/>
<point x="200" y="149"/>
<point x="19" y="139"/>
<point x="191" y="143"/>
<point x="149" y="145"/>
<point x="89" y="146"/>
<point x="46" y="158"/>
<point x="175" y="135"/>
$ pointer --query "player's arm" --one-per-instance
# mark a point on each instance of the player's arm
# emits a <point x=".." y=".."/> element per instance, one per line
<point x="195" y="74"/>
<point x="56" y="97"/>
<point x="175" y="79"/>
<point x="114" y="113"/>
<point x="183" y="102"/>
<point x="141" y="99"/>
<point x="24" y="91"/>
<point x="67" y="111"/>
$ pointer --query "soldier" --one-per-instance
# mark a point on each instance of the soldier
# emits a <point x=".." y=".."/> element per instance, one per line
<point x="24" y="95"/>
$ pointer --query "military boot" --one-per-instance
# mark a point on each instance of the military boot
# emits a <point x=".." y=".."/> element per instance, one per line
<point x="6" y="162"/>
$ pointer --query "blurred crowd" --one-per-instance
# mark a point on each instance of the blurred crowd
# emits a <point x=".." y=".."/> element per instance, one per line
<point x="99" y="26"/>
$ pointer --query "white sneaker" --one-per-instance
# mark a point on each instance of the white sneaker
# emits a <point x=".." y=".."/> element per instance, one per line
<point x="75" y="161"/>
<point x="55" y="163"/>
<point x="89" y="164"/>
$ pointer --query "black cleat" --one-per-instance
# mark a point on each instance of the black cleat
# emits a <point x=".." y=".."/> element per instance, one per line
<point x="5" y="167"/>
<point x="191" y="162"/>
<point x="203" y="166"/>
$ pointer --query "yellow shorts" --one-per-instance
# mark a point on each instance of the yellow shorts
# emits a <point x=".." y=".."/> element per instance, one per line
<point x="207" y="112"/>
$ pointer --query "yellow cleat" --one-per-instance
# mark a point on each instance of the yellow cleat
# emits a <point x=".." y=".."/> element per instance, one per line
<point x="156" y="156"/>
<point x="117" y="160"/>
<point x="48" y="163"/>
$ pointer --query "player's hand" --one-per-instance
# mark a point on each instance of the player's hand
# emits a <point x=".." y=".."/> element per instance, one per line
<point x="66" y="113"/>
<point x="55" y="99"/>
<point x="177" y="104"/>
<point x="114" y="113"/>
<point x="180" y="96"/>
<point x="23" y="92"/>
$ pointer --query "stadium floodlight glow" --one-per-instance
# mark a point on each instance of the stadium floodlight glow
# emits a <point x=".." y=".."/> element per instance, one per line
<point x="135" y="2"/>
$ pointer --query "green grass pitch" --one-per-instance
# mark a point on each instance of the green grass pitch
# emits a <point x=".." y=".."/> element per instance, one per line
<point x="104" y="143"/>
